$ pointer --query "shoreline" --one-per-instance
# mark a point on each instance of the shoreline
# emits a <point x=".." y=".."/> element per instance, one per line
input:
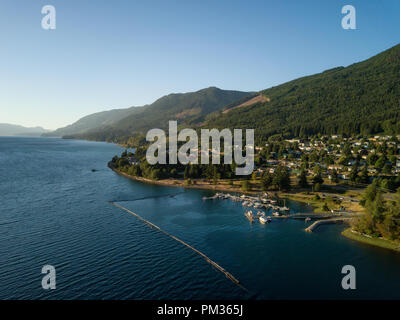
<point x="205" y="185"/>
<point x="371" y="241"/>
<point x="348" y="232"/>
<point x="201" y="185"/>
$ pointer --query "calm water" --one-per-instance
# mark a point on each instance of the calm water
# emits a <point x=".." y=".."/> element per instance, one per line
<point x="55" y="210"/>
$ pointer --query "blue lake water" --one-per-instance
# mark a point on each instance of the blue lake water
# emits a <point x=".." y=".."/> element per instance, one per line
<point x="55" y="210"/>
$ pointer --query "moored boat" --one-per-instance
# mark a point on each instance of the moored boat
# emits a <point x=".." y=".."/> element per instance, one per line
<point x="249" y="215"/>
<point x="263" y="220"/>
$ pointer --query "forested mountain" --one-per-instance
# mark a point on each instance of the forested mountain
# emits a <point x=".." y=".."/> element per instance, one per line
<point x="96" y="120"/>
<point x="190" y="109"/>
<point x="361" y="98"/>
<point x="16" y="130"/>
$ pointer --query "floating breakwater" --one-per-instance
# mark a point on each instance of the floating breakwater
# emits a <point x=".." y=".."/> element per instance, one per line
<point x="214" y="264"/>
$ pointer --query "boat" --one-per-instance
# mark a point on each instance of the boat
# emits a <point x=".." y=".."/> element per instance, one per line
<point x="263" y="220"/>
<point x="249" y="215"/>
<point x="276" y="213"/>
<point x="284" y="208"/>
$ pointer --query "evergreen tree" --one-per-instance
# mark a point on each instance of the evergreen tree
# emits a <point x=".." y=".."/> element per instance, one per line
<point x="282" y="178"/>
<point x="354" y="172"/>
<point x="303" y="179"/>
<point x="364" y="178"/>
<point x="266" y="181"/>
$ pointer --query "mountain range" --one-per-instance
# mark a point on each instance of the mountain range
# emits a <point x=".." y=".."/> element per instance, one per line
<point x="363" y="98"/>
<point x="190" y="109"/>
<point x="7" y="129"/>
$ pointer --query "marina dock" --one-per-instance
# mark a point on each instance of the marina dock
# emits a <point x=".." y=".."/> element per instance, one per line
<point x="317" y="223"/>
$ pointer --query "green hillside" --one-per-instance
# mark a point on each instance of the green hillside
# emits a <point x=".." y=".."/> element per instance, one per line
<point x="190" y="109"/>
<point x="96" y="120"/>
<point x="361" y="98"/>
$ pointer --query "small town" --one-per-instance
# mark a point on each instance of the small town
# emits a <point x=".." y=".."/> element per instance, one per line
<point x="339" y="159"/>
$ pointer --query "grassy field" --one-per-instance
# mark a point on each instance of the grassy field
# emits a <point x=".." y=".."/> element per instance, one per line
<point x="382" y="243"/>
<point x="319" y="203"/>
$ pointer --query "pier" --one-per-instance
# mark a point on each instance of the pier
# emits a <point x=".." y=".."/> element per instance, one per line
<point x="214" y="264"/>
<point x="317" y="223"/>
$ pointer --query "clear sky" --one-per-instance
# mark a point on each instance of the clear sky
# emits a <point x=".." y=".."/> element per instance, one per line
<point x="116" y="54"/>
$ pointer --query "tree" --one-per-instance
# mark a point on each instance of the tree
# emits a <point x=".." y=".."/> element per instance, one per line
<point x="370" y="192"/>
<point x="318" y="179"/>
<point x="317" y="187"/>
<point x="303" y="179"/>
<point x="282" y="178"/>
<point x="267" y="180"/>
<point x="380" y="163"/>
<point x="354" y="172"/>
<point x="364" y="177"/>
<point x="186" y="172"/>
<point x="114" y="159"/>
<point x="335" y="176"/>
<point x="245" y="185"/>
<point x="387" y="169"/>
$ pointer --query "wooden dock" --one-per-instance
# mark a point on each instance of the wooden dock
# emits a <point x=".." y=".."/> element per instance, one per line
<point x="214" y="264"/>
<point x="317" y="223"/>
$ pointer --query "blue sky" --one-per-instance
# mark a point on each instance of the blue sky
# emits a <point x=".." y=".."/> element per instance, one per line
<point x="117" y="54"/>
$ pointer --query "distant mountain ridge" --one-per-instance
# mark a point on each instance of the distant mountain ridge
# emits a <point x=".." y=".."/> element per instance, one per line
<point x="7" y="129"/>
<point x="95" y="120"/>
<point x="191" y="108"/>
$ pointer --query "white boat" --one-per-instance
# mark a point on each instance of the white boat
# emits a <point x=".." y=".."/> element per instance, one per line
<point x="249" y="215"/>
<point x="263" y="220"/>
<point x="276" y="214"/>
<point x="257" y="205"/>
